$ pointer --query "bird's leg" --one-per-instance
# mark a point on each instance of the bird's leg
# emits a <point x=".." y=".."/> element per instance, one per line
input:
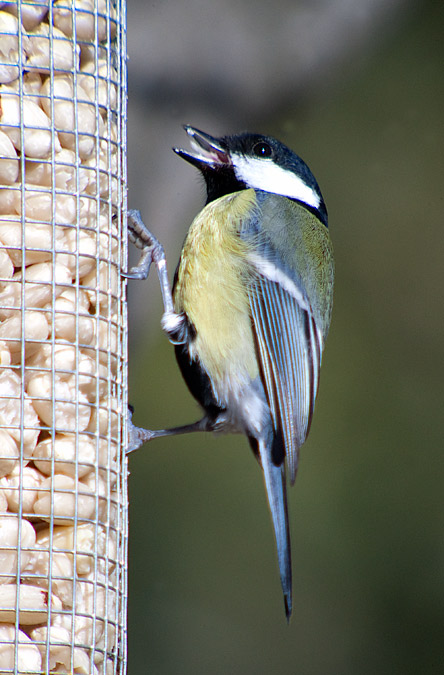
<point x="137" y="436"/>
<point x="152" y="252"/>
<point x="174" y="324"/>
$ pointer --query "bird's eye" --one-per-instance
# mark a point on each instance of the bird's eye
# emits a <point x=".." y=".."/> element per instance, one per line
<point x="262" y="149"/>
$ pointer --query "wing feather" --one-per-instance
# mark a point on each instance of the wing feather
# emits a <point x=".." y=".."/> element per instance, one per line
<point x="289" y="349"/>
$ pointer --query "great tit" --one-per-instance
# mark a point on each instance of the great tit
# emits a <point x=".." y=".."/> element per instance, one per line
<point x="251" y="305"/>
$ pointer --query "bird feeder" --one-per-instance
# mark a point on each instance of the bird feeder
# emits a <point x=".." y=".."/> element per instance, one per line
<point x="63" y="366"/>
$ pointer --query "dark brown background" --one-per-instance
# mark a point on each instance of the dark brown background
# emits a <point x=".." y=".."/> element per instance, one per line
<point x="356" y="88"/>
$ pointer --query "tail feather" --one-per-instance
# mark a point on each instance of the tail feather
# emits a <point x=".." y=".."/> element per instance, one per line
<point x="274" y="477"/>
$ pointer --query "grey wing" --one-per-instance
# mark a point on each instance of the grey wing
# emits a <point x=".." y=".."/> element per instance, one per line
<point x="289" y="347"/>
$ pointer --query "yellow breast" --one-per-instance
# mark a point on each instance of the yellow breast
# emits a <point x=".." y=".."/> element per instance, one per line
<point x="212" y="289"/>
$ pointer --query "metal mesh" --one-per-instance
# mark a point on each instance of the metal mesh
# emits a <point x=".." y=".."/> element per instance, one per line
<point x="63" y="397"/>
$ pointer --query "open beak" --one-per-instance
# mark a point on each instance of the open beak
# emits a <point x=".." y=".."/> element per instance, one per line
<point x="208" y="152"/>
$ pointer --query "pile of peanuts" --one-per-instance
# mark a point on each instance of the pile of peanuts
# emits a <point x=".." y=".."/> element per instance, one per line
<point x="62" y="478"/>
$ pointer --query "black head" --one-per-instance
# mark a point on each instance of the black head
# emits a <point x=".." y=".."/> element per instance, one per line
<point x="232" y="163"/>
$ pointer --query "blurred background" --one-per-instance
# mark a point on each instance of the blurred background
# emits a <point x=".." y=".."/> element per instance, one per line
<point x="356" y="88"/>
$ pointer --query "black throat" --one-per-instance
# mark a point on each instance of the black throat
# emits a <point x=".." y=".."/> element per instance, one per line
<point x="221" y="182"/>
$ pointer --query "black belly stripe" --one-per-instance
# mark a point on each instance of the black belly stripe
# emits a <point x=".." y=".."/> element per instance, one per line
<point x="197" y="381"/>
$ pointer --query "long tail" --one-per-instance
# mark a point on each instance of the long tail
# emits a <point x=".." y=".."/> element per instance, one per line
<point x="274" y="477"/>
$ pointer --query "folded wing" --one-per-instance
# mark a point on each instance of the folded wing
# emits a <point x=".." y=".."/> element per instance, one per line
<point x="289" y="349"/>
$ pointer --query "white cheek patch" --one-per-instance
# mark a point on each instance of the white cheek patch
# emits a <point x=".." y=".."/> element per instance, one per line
<point x="263" y="174"/>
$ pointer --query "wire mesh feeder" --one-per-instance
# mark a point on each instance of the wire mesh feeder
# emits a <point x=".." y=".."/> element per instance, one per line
<point x="63" y="502"/>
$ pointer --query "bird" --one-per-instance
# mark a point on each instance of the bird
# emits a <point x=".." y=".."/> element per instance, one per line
<point x="250" y="306"/>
